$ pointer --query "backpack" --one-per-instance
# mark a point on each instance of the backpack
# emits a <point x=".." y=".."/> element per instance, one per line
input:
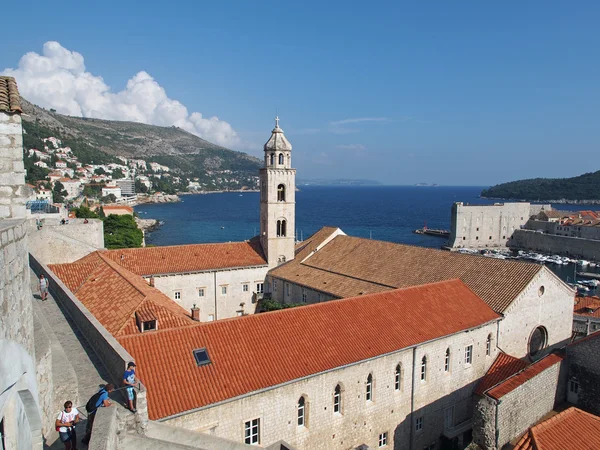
<point x="90" y="406"/>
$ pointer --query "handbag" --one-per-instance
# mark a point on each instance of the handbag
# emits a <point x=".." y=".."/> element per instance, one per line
<point x="61" y="418"/>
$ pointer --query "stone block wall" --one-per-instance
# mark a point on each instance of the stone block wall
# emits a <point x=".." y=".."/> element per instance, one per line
<point x="13" y="192"/>
<point x="111" y="353"/>
<point x="584" y="366"/>
<point x="553" y="244"/>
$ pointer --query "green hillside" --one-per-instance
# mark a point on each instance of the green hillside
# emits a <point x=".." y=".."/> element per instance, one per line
<point x="581" y="188"/>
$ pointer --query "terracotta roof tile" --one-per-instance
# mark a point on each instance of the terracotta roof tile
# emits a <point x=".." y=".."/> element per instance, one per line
<point x="10" y="101"/>
<point x="264" y="350"/>
<point x="523" y="376"/>
<point x="117" y="297"/>
<point x="572" y="429"/>
<point x="587" y="306"/>
<point x="349" y="265"/>
<point x="186" y="258"/>
<point x="503" y="367"/>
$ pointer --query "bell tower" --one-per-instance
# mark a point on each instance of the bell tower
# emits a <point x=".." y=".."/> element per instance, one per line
<point x="277" y="199"/>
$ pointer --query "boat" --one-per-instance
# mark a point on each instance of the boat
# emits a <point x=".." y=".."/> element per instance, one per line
<point x="582" y="262"/>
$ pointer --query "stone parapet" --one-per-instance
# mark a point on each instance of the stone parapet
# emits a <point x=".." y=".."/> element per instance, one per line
<point x="13" y="192"/>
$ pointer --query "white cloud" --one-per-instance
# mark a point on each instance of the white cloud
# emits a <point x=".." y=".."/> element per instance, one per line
<point x="57" y="79"/>
<point x="359" y="147"/>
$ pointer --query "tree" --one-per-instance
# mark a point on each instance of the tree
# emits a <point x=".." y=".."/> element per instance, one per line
<point x="140" y="187"/>
<point x="117" y="174"/>
<point x="100" y="171"/>
<point x="122" y="232"/>
<point x="110" y="198"/>
<point x="59" y="193"/>
<point x="83" y="212"/>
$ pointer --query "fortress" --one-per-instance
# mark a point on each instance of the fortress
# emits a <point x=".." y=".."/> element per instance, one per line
<point x="397" y="346"/>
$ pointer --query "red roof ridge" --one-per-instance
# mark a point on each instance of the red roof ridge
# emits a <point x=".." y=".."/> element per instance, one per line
<point x="503" y="367"/>
<point x="522" y="376"/>
<point x="118" y="268"/>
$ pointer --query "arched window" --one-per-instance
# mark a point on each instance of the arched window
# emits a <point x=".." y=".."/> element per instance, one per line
<point x="488" y="345"/>
<point x="398" y="378"/>
<point x="301" y="412"/>
<point x="447" y="361"/>
<point x="272" y="158"/>
<point x="538" y="341"/>
<point x="281" y="193"/>
<point x="369" y="394"/>
<point x="337" y="400"/>
<point x="424" y="368"/>
<point x="281" y="158"/>
<point x="281" y="228"/>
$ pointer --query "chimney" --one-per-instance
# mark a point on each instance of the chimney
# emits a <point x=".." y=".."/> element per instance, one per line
<point x="195" y="313"/>
<point x="152" y="281"/>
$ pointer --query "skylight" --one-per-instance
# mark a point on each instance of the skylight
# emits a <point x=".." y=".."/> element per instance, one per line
<point x="201" y="356"/>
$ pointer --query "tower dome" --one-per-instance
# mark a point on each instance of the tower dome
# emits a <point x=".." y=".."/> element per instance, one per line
<point x="277" y="141"/>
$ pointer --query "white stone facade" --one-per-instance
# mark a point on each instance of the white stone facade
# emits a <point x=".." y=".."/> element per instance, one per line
<point x="13" y="192"/>
<point x="486" y="226"/>
<point x="219" y="293"/>
<point x="362" y="421"/>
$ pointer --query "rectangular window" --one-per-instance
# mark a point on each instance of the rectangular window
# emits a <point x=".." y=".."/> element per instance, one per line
<point x="369" y="393"/>
<point x="245" y="287"/>
<point x="223" y="290"/>
<point x="383" y="439"/>
<point x="274" y="285"/>
<point x="468" y="354"/>
<point x="211" y="317"/>
<point x="304" y="295"/>
<point x="252" y="432"/>
<point x="200" y="292"/>
<point x="419" y="423"/>
<point x="287" y="289"/>
<point x="177" y="295"/>
<point x="574" y="386"/>
<point x="260" y="288"/>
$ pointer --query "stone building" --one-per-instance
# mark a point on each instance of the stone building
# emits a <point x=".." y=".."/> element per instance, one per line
<point x="20" y="418"/>
<point x="488" y="226"/>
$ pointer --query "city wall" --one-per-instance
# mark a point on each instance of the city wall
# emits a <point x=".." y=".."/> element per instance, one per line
<point x="560" y="245"/>
<point x="111" y="353"/>
<point x="13" y="191"/>
<point x="584" y="367"/>
<point x="54" y="243"/>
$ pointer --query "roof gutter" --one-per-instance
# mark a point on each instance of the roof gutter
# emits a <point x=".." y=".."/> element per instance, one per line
<point x="185" y="272"/>
<point x="306" y="377"/>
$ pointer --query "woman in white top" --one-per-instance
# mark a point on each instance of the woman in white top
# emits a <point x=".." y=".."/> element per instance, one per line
<point x="65" y="424"/>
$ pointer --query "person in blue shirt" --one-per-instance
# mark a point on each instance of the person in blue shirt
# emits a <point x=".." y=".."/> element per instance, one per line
<point x="129" y="381"/>
<point x="102" y="402"/>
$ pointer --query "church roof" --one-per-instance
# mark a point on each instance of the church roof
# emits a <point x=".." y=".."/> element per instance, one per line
<point x="117" y="297"/>
<point x="10" y="101"/>
<point x="186" y="258"/>
<point x="259" y="351"/>
<point x="348" y="266"/>
<point x="572" y="429"/>
<point x="277" y="141"/>
<point x="505" y="366"/>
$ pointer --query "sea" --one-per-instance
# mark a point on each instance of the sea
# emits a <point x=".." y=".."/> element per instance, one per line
<point x="389" y="213"/>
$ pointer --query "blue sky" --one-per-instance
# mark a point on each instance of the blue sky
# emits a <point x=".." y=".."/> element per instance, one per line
<point x="456" y="93"/>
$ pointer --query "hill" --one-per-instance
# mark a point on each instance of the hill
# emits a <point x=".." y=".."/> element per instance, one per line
<point x="581" y="189"/>
<point x="101" y="141"/>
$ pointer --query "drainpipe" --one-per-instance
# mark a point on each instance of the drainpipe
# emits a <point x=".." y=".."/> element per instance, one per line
<point x="215" y="284"/>
<point x="412" y="397"/>
<point x="497" y="432"/>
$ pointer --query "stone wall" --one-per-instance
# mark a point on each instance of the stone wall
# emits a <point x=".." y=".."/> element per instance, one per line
<point x="361" y="421"/>
<point x="579" y="231"/>
<point x="111" y="353"/>
<point x="584" y="367"/>
<point x="486" y="226"/>
<point x="213" y="303"/>
<point x="13" y="192"/>
<point x="57" y="244"/>
<point x="553" y="244"/>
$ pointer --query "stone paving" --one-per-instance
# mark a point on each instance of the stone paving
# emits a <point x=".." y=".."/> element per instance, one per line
<point x="90" y="372"/>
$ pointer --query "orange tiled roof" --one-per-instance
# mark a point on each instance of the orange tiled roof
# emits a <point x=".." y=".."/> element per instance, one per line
<point x="503" y="367"/>
<point x="572" y="429"/>
<point x="187" y="258"/>
<point x="523" y="376"/>
<point x="347" y="266"/>
<point x="10" y="101"/>
<point x="117" y="207"/>
<point x="117" y="297"/>
<point x="264" y="350"/>
<point x="587" y="306"/>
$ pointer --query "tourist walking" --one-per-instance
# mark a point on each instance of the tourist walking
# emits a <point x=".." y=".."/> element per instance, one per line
<point x="98" y="400"/>
<point x="43" y="287"/>
<point x="65" y="425"/>
<point x="129" y="381"/>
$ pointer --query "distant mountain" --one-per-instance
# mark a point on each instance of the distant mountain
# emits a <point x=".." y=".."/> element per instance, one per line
<point x="581" y="189"/>
<point x="101" y="140"/>
<point x="338" y="182"/>
<point x="427" y="185"/>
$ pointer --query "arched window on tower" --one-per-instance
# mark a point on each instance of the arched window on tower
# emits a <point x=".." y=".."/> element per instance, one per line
<point x="272" y="158"/>
<point x="424" y="368"/>
<point x="301" y="412"/>
<point x="281" y="158"/>
<point x="337" y="400"/>
<point x="281" y="193"/>
<point x="281" y="228"/>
